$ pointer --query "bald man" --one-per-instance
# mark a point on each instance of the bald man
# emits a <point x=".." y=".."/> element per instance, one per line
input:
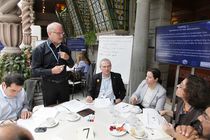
<point x="14" y="132"/>
<point x="49" y="61"/>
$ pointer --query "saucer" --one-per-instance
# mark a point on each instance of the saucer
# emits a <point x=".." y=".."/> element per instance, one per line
<point x="49" y="122"/>
<point x="71" y="117"/>
<point x="139" y="134"/>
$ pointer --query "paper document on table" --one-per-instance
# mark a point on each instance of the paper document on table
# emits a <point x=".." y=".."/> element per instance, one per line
<point x="152" y="119"/>
<point x="74" y="105"/>
<point x="102" y="102"/>
<point x="45" y="112"/>
<point x="29" y="124"/>
<point x="123" y="107"/>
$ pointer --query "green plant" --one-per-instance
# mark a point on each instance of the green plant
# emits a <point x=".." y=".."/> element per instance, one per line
<point x="16" y="63"/>
<point x="90" y="39"/>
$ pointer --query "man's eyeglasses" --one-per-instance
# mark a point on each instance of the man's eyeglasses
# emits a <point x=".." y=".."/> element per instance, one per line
<point x="59" y="33"/>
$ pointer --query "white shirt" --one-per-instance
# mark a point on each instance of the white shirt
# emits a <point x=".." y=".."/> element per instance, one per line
<point x="148" y="97"/>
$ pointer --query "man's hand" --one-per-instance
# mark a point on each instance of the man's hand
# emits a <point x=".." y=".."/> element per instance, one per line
<point x="57" y="69"/>
<point x="133" y="100"/>
<point x="25" y="114"/>
<point x="63" y="55"/>
<point x="89" y="99"/>
<point x="186" y="130"/>
<point x="117" y="101"/>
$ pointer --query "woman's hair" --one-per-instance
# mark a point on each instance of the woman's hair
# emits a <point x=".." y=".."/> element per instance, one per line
<point x="197" y="92"/>
<point x="156" y="74"/>
<point x="82" y="57"/>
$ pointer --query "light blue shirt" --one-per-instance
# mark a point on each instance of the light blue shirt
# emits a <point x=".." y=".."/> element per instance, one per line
<point x="82" y="66"/>
<point x="10" y="108"/>
<point x="106" y="90"/>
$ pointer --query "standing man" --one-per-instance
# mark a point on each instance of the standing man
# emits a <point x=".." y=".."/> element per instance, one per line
<point x="13" y="100"/>
<point x="49" y="60"/>
<point x="107" y="84"/>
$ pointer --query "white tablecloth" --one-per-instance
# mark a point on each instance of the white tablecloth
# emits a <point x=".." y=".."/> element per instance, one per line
<point x="67" y="130"/>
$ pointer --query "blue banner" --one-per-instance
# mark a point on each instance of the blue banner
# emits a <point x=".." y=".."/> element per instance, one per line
<point x="185" y="44"/>
<point x="76" y="44"/>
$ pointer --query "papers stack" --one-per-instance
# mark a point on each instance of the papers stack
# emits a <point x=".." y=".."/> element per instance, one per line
<point x="74" y="106"/>
<point x="152" y="119"/>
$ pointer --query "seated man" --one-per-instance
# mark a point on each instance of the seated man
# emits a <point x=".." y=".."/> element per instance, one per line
<point x="13" y="101"/>
<point x="184" y="132"/>
<point x="106" y="84"/>
<point x="14" y="132"/>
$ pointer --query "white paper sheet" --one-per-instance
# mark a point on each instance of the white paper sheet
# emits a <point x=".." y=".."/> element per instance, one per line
<point x="152" y="119"/>
<point x="102" y="102"/>
<point x="45" y="112"/>
<point x="123" y="107"/>
<point x="74" y="106"/>
<point x="38" y="117"/>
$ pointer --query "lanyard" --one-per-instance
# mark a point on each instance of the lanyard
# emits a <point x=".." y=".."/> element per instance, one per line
<point x="56" y="57"/>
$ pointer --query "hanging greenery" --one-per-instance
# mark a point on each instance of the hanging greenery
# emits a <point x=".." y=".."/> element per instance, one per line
<point x="19" y="63"/>
<point x="90" y="39"/>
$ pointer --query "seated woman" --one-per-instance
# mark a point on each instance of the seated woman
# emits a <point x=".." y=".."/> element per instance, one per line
<point x="82" y="64"/>
<point x="150" y="93"/>
<point x="194" y="94"/>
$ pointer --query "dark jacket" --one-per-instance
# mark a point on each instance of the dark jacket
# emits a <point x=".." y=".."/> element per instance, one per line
<point x="117" y="85"/>
<point x="43" y="60"/>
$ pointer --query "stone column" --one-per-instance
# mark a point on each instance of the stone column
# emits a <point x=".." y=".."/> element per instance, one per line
<point x="10" y="26"/>
<point x="138" y="65"/>
<point x="26" y="22"/>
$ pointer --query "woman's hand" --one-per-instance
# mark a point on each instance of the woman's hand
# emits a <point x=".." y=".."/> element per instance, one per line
<point x="166" y="112"/>
<point x="133" y="100"/>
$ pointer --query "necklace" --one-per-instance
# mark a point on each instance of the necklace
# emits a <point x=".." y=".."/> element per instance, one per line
<point x="186" y="108"/>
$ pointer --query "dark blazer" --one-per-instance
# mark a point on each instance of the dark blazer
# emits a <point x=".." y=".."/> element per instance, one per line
<point x="117" y="86"/>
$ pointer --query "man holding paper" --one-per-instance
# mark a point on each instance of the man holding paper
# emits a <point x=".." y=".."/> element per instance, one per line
<point x="106" y="84"/>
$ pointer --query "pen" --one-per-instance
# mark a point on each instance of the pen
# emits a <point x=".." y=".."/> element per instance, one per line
<point x="124" y="106"/>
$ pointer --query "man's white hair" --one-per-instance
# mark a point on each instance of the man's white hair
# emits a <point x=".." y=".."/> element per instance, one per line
<point x="105" y="60"/>
<point x="51" y="27"/>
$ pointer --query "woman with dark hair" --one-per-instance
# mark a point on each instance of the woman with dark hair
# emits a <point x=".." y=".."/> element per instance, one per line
<point x="150" y="93"/>
<point x="194" y="94"/>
